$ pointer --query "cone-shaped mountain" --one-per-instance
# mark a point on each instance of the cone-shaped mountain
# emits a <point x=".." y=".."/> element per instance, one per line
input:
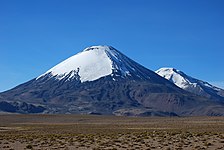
<point x="102" y="80"/>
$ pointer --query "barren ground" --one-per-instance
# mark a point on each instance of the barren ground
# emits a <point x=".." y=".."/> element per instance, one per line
<point x="46" y="132"/>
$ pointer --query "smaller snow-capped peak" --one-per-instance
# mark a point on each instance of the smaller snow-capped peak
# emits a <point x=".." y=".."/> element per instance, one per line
<point x="93" y="63"/>
<point x="189" y="83"/>
<point x="175" y="76"/>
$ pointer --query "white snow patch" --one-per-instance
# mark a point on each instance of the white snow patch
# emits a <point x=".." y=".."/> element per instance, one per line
<point x="173" y="75"/>
<point x="89" y="64"/>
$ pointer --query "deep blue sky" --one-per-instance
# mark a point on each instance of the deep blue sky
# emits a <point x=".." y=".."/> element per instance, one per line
<point x="35" y="35"/>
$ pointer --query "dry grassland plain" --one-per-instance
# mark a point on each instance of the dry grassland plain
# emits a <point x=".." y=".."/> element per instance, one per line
<point x="70" y="132"/>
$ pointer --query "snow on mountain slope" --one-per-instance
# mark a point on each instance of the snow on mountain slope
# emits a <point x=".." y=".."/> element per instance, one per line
<point x="91" y="64"/>
<point x="189" y="83"/>
<point x="95" y="62"/>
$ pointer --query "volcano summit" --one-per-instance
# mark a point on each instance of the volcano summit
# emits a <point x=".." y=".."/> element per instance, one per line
<point x="102" y="80"/>
<point x="96" y="62"/>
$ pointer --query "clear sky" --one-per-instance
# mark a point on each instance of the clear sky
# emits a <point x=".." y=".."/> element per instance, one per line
<point x="188" y="35"/>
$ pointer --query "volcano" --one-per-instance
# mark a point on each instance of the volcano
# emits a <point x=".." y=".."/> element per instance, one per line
<point x="101" y="80"/>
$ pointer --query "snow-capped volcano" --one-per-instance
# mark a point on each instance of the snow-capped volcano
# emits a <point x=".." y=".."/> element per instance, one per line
<point x="191" y="84"/>
<point x="95" y="62"/>
<point x="102" y="80"/>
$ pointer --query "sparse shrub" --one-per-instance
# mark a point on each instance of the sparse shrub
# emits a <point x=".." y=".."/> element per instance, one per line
<point x="29" y="146"/>
<point x="6" y="146"/>
<point x="208" y="144"/>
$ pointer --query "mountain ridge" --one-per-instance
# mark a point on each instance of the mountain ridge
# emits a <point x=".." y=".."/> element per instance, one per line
<point x="191" y="84"/>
